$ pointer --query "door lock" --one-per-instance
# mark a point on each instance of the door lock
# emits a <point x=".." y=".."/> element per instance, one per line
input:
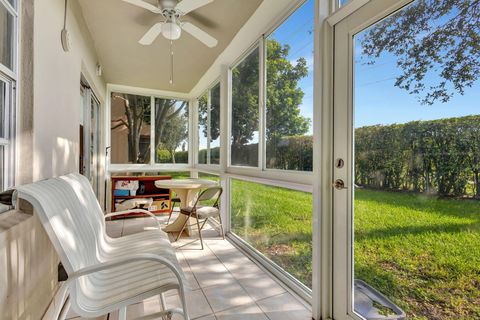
<point x="339" y="184"/>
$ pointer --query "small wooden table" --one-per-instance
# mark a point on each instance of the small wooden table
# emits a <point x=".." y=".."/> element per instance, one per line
<point x="186" y="190"/>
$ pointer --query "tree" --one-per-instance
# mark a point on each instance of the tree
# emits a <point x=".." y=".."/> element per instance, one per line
<point x="174" y="133"/>
<point x="171" y="125"/>
<point x="138" y="114"/>
<point x="430" y="37"/>
<point x="245" y="100"/>
<point x="284" y="96"/>
<point x="214" y="113"/>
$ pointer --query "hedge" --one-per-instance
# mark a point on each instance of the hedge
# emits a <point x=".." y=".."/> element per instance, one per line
<point x="438" y="157"/>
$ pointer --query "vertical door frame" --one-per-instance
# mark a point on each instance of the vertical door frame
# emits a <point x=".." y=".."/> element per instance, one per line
<point x="343" y="26"/>
<point x="89" y="99"/>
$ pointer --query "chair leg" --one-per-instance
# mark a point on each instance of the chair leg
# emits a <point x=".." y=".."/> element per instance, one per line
<point x="221" y="226"/>
<point x="183" y="228"/>
<point x="164" y="305"/>
<point x="171" y="211"/>
<point x="122" y="313"/>
<point x="199" y="231"/>
<point x="181" y="293"/>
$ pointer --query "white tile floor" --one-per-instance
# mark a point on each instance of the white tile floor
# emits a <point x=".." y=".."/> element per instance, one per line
<point x="225" y="284"/>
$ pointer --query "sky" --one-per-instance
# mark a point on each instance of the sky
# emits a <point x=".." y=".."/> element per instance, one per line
<point x="377" y="100"/>
<point x="297" y="32"/>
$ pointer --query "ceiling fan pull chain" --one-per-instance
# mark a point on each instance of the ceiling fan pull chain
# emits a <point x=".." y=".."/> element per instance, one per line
<point x="171" y="62"/>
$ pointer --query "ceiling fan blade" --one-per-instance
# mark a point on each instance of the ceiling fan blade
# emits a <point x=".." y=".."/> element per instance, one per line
<point x="151" y="34"/>
<point x="185" y="6"/>
<point x="201" y="35"/>
<point x="144" y="5"/>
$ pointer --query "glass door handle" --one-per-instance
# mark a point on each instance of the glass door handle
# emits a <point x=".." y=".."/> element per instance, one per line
<point x="339" y="184"/>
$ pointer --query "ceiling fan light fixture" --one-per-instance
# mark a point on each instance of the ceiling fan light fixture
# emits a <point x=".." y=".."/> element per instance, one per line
<point x="171" y="30"/>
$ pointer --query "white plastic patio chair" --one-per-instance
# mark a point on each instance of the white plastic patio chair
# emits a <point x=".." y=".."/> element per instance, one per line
<point x="102" y="277"/>
<point x="94" y="213"/>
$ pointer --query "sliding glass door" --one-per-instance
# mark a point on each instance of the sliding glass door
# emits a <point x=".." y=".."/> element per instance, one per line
<point x="407" y="161"/>
<point x="90" y="134"/>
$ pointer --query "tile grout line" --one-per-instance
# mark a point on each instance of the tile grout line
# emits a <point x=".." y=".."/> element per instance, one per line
<point x="280" y="283"/>
<point x="287" y="290"/>
<point x="255" y="302"/>
<point x="236" y="280"/>
<point x="199" y="286"/>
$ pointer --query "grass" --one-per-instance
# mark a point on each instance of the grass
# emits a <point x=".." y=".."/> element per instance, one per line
<point x="277" y="222"/>
<point x="421" y="252"/>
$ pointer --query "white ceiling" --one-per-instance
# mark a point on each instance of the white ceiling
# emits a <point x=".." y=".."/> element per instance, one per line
<point x="117" y="26"/>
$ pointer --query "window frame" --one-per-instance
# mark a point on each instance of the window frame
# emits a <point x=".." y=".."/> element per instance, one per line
<point x="270" y="31"/>
<point x="10" y="77"/>
<point x="346" y="23"/>
<point x="256" y="45"/>
<point x="208" y="92"/>
<point x="298" y="287"/>
<point x="288" y="179"/>
<point x="297" y="176"/>
<point x="152" y="166"/>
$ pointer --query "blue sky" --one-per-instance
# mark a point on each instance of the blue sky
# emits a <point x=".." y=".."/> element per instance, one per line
<point x="377" y="100"/>
<point x="297" y="32"/>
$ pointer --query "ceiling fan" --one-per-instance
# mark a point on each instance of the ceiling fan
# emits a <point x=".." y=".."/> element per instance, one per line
<point x="172" y="27"/>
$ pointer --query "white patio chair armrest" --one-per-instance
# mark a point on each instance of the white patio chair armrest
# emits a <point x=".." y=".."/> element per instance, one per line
<point x="121" y="261"/>
<point x="119" y="213"/>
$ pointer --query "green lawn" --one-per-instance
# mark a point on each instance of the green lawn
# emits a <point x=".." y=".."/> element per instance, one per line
<point x="423" y="253"/>
<point x="277" y="222"/>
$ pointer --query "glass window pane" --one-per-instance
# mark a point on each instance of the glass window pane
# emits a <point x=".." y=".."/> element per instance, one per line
<point x="3" y="109"/>
<point x="2" y="167"/>
<point x="7" y="37"/>
<point x="290" y="92"/>
<point x="95" y="152"/>
<point x="130" y="128"/>
<point x="417" y="162"/>
<point x="215" y="125"/>
<point x="208" y="176"/>
<point x="277" y="222"/>
<point x="171" y="131"/>
<point x="175" y="174"/>
<point x="202" y="128"/>
<point x="244" y="139"/>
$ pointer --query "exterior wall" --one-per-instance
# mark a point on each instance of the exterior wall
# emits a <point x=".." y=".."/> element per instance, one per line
<point x="28" y="280"/>
<point x="119" y="136"/>
<point x="47" y="145"/>
<point x="57" y="87"/>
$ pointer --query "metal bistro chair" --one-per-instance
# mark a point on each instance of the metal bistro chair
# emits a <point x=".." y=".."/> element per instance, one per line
<point x="200" y="212"/>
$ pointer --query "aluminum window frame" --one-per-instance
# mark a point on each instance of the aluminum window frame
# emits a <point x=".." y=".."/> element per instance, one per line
<point x="208" y="91"/>
<point x="341" y="207"/>
<point x="289" y="179"/>
<point x="12" y="72"/>
<point x="262" y="170"/>
<point x="269" y="32"/>
<point x="10" y="77"/>
<point x="152" y="166"/>
<point x="286" y="278"/>
<point x="256" y="45"/>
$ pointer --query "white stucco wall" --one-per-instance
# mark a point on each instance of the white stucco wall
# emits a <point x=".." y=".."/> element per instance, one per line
<point x="57" y="87"/>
